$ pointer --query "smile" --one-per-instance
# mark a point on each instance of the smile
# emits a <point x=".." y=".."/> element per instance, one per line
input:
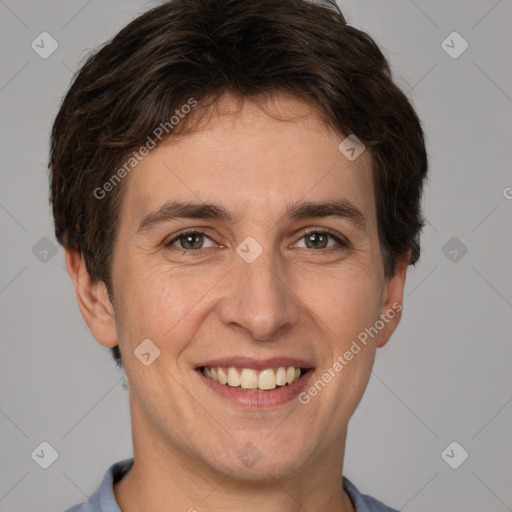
<point x="251" y="379"/>
<point x="256" y="384"/>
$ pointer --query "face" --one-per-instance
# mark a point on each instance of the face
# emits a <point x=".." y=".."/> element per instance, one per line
<point x="256" y="272"/>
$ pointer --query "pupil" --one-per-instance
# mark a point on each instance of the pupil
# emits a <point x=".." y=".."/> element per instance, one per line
<point x="316" y="239"/>
<point x="189" y="240"/>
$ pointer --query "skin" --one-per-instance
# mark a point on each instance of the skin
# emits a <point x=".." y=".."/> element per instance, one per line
<point x="293" y="300"/>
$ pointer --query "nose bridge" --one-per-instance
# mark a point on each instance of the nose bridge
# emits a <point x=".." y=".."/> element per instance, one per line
<point x="259" y="299"/>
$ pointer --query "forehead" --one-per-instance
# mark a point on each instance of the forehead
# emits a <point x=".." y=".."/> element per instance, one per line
<point x="257" y="158"/>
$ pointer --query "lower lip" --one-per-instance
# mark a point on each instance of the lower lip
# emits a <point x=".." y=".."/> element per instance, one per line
<point x="251" y="399"/>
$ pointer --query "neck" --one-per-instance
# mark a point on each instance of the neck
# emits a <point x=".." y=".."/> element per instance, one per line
<point x="166" y="478"/>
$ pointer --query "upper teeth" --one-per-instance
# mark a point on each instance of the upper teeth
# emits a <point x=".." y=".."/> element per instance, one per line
<point x="248" y="378"/>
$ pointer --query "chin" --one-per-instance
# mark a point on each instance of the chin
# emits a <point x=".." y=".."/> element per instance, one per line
<point x="263" y="459"/>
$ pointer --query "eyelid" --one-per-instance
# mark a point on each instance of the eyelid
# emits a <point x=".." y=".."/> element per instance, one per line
<point x="187" y="231"/>
<point x="342" y="241"/>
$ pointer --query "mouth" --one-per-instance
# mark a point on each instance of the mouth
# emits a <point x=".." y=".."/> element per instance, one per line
<point x="256" y="384"/>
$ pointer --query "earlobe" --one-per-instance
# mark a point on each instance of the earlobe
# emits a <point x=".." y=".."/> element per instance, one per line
<point x="93" y="300"/>
<point x="391" y="309"/>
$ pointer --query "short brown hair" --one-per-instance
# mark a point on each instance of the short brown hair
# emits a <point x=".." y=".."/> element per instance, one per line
<point x="202" y="49"/>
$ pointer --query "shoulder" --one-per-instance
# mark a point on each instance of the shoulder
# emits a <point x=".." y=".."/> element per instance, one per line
<point x="363" y="502"/>
<point x="103" y="499"/>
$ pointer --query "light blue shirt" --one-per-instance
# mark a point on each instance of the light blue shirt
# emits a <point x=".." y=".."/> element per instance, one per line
<point x="103" y="500"/>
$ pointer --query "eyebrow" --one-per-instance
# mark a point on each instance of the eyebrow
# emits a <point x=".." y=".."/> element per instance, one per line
<point x="341" y="208"/>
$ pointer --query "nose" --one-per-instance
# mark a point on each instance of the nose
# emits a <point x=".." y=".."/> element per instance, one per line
<point x="260" y="300"/>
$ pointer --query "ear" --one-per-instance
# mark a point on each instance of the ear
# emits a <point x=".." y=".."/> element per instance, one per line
<point x="391" y="308"/>
<point x="93" y="300"/>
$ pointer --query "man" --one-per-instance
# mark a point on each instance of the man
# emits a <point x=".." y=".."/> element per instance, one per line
<point x="237" y="185"/>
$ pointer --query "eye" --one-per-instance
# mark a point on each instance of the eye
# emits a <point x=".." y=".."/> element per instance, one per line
<point x="317" y="239"/>
<point x="190" y="241"/>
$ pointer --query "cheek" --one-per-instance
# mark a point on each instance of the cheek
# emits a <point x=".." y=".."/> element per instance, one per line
<point x="345" y="305"/>
<point x="159" y="302"/>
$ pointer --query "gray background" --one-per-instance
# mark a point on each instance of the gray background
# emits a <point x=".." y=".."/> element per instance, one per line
<point x="445" y="376"/>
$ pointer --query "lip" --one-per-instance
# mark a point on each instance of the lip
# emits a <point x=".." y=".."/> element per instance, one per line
<point x="257" y="400"/>
<point x="257" y="364"/>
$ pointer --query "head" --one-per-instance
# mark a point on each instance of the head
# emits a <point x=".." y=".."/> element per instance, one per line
<point x="224" y="120"/>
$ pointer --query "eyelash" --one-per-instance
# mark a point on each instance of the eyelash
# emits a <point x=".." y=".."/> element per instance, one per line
<point x="342" y="243"/>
